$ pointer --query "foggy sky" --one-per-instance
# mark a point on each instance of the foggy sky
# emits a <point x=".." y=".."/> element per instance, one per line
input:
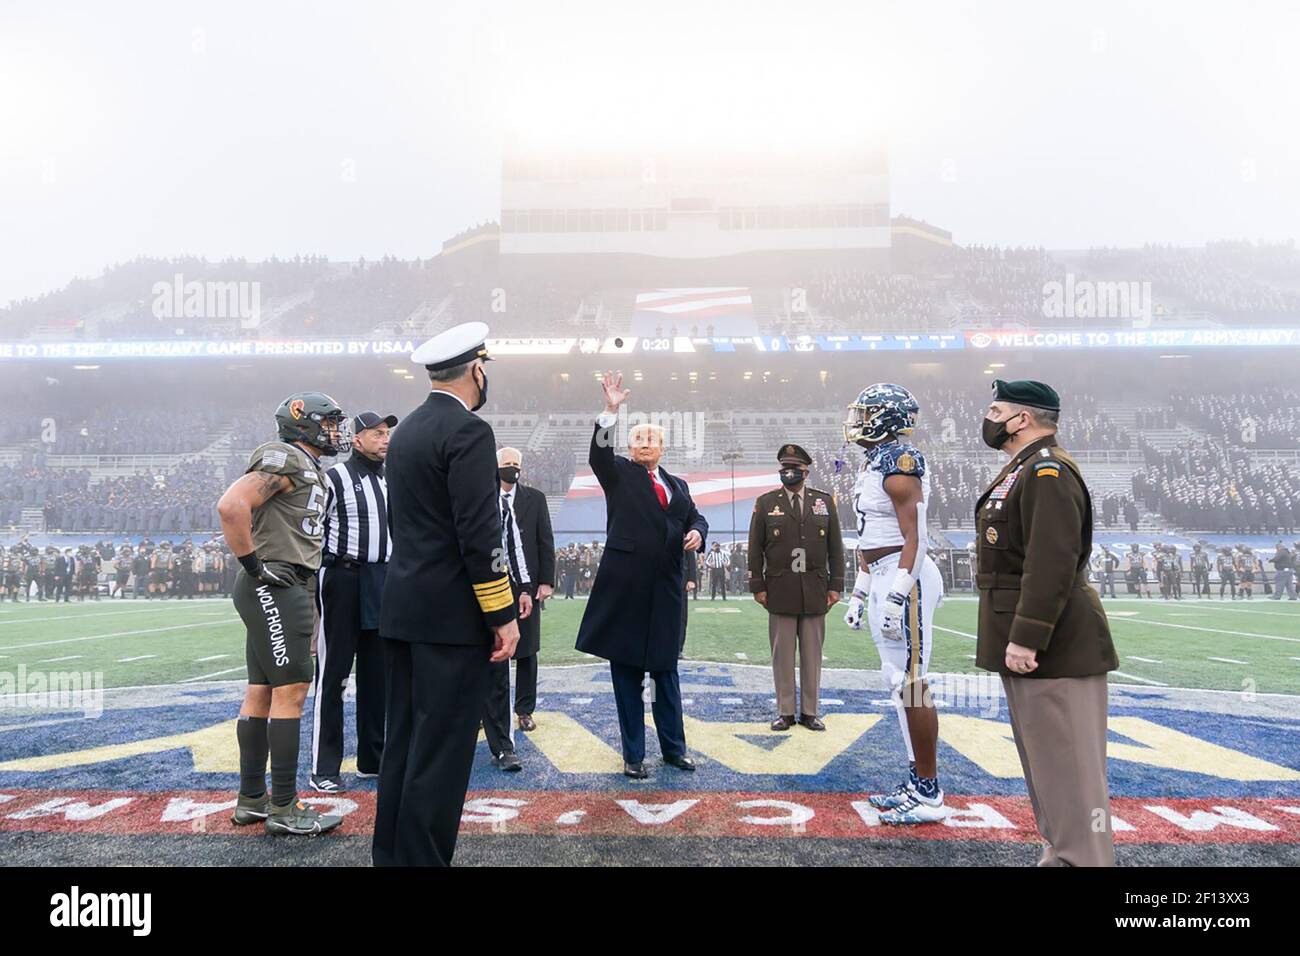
<point x="364" y="129"/>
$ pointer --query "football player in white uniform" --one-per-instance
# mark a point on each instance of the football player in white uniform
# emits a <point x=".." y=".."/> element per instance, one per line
<point x="898" y="587"/>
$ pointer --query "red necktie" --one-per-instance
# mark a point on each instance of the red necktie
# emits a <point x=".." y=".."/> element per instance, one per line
<point x="660" y="493"/>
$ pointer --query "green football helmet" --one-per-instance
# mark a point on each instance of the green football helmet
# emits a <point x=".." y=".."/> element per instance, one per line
<point x="317" y="420"/>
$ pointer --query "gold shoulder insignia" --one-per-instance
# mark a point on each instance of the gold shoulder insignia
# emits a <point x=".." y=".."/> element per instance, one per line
<point x="906" y="463"/>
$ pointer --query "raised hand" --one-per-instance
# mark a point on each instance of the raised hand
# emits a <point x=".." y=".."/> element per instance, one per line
<point x="615" y="393"/>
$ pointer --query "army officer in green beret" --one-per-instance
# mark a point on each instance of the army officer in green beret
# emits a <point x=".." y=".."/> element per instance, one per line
<point x="796" y="571"/>
<point x="1041" y="625"/>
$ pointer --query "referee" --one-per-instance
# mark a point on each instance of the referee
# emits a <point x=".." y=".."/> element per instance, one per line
<point x="354" y="559"/>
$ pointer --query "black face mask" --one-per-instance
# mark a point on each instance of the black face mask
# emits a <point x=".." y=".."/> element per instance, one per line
<point x="790" y="477"/>
<point x="482" y="393"/>
<point x="995" y="434"/>
<point x="509" y="474"/>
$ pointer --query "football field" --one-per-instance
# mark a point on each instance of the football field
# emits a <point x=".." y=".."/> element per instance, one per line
<point x="1248" y="647"/>
<point x="1203" y="768"/>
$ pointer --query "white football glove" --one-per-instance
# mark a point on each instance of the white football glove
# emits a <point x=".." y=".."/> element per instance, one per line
<point x="891" y="616"/>
<point x="857" y="610"/>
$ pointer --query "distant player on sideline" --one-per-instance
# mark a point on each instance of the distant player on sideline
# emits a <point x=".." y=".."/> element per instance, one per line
<point x="271" y="518"/>
<point x="898" y="587"/>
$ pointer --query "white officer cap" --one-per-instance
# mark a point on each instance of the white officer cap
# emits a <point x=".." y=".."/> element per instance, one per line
<point x="456" y="346"/>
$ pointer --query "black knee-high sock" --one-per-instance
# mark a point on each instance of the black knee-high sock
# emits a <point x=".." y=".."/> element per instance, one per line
<point x="251" y="733"/>
<point x="283" y="735"/>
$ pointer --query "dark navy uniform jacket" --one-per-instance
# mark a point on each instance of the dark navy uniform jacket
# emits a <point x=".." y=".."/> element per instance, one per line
<point x="446" y="582"/>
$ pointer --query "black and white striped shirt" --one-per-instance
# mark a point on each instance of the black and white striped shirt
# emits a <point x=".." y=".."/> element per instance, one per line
<point x="357" y="523"/>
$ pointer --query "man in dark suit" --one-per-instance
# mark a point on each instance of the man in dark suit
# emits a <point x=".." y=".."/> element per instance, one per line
<point x="447" y="612"/>
<point x="529" y="547"/>
<point x="633" y="618"/>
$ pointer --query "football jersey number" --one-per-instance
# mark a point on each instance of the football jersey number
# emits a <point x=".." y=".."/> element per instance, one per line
<point x="313" y="523"/>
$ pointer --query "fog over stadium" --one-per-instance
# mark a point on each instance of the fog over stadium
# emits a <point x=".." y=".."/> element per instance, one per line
<point x="854" y="238"/>
<point x="243" y="129"/>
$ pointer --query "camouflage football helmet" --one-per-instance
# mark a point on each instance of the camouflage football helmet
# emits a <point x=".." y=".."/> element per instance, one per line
<point x="317" y="420"/>
<point x="879" y="411"/>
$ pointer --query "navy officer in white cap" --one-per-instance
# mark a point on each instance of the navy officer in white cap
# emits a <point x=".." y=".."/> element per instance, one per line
<point x="448" y="610"/>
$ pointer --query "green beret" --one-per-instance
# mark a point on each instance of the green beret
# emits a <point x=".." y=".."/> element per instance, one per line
<point x="1033" y="394"/>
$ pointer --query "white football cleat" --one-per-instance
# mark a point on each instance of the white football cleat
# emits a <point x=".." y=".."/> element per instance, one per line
<point x="916" y="809"/>
<point x="895" y="797"/>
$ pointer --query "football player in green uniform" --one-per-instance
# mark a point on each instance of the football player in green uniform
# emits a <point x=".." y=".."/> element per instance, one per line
<point x="271" y="519"/>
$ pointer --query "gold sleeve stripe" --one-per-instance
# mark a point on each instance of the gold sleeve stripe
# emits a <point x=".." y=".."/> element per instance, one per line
<point x="491" y="587"/>
<point x="490" y="604"/>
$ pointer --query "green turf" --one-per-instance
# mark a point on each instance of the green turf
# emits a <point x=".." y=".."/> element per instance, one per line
<point x="186" y="640"/>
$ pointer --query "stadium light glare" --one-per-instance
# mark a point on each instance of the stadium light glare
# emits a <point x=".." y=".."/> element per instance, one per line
<point x="85" y="368"/>
<point x="751" y="90"/>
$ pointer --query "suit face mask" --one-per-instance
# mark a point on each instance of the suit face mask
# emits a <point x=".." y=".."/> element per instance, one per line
<point x="791" y="477"/>
<point x="508" y="473"/>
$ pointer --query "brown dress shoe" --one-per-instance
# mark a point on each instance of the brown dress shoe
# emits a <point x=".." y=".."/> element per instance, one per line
<point x="812" y="723"/>
<point x="783" y="722"/>
<point x="526" y="722"/>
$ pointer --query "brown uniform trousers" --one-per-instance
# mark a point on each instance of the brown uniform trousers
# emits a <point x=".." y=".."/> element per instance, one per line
<point x="1034" y="534"/>
<point x="796" y="555"/>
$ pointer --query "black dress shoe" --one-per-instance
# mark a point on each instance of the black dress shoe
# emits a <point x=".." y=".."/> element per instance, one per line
<point x="812" y="723"/>
<point x="783" y="722"/>
<point x="636" y="771"/>
<point x="681" y="763"/>
<point x="526" y="722"/>
<point x="509" y="762"/>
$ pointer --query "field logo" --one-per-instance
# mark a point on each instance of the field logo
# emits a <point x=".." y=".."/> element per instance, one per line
<point x="75" y="908"/>
<point x="179" y="299"/>
<point x="1085" y="299"/>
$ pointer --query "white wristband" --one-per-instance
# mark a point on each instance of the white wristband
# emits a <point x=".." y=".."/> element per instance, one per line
<point x="903" y="582"/>
<point x="862" y="583"/>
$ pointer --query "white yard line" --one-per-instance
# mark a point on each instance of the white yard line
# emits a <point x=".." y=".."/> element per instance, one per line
<point x="228" y="670"/>
<point x="97" y="637"/>
<point x="1227" y="660"/>
<point x="142" y="657"/>
<point x="214" y="657"/>
<point x="1140" y="680"/>
<point x="1208" y="630"/>
<point x="55" y="660"/>
<point x="948" y="630"/>
<point x="78" y="617"/>
<point x="1144" y="660"/>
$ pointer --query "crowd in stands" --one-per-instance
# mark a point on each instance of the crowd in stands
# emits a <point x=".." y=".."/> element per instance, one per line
<point x="1225" y="278"/>
<point x="862" y="300"/>
<point x="1264" y="417"/>
<point x="973" y="283"/>
<point x="1210" y="486"/>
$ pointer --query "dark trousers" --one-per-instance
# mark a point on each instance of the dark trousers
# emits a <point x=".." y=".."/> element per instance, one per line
<point x="342" y="641"/>
<point x="570" y="581"/>
<point x="666" y="706"/>
<point x="1107" y="583"/>
<point x="435" y="695"/>
<point x="496" y="710"/>
<point x="717" y="582"/>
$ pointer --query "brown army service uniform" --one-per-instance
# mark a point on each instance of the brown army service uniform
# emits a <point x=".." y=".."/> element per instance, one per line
<point x="796" y="599"/>
<point x="1034" y="534"/>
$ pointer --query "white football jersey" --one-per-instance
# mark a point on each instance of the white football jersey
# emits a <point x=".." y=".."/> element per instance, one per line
<point x="877" y="520"/>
